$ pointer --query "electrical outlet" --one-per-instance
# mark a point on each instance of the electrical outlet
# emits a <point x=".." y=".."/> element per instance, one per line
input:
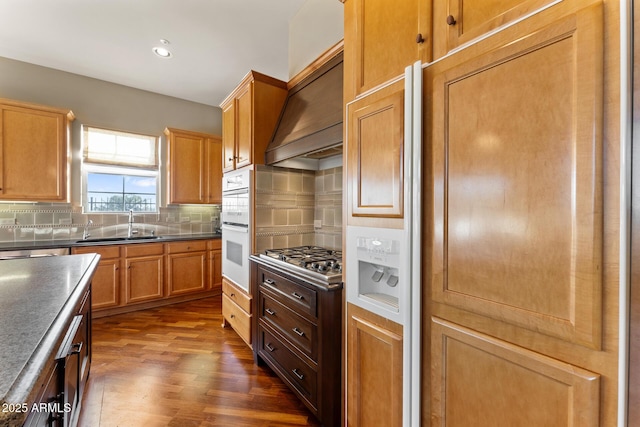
<point x="317" y="223"/>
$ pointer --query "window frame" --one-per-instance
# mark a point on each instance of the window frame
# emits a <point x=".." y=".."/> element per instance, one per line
<point x="117" y="168"/>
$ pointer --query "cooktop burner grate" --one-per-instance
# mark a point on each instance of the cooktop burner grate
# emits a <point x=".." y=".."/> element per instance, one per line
<point x="316" y="261"/>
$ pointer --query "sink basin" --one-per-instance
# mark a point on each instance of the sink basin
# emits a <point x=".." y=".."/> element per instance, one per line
<point x="118" y="239"/>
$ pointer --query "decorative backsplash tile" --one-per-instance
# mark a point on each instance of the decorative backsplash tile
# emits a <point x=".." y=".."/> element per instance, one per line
<point x="288" y="201"/>
<point x="62" y="221"/>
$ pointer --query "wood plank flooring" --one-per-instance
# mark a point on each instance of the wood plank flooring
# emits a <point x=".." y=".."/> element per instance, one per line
<point x="176" y="366"/>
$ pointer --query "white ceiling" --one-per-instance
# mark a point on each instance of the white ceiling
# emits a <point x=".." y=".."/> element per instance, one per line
<point x="214" y="42"/>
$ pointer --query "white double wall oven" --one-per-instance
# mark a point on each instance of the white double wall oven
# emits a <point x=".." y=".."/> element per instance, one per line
<point x="237" y="190"/>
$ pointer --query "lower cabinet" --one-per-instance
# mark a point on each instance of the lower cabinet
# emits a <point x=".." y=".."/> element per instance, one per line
<point x="214" y="254"/>
<point x="106" y="279"/>
<point x="374" y="369"/>
<point x="186" y="267"/>
<point x="144" y="269"/>
<point x="236" y="309"/>
<point x="135" y="276"/>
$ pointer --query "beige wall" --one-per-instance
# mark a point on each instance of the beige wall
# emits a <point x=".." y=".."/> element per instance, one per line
<point x="316" y="27"/>
<point x="99" y="103"/>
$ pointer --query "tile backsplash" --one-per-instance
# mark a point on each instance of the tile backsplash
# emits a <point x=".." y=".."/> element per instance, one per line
<point x="62" y="221"/>
<point x="290" y="201"/>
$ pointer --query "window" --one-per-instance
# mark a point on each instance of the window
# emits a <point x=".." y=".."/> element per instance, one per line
<point x="119" y="171"/>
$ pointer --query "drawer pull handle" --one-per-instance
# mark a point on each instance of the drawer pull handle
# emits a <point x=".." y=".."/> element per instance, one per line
<point x="270" y="347"/>
<point x="232" y="295"/>
<point x="269" y="311"/>
<point x="297" y="374"/>
<point x="298" y="331"/>
<point x="233" y="316"/>
<point x="297" y="296"/>
<point x="268" y="282"/>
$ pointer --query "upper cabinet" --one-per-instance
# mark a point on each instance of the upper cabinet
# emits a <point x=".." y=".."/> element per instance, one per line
<point x="34" y="150"/>
<point x="381" y="38"/>
<point x="456" y="22"/>
<point x="194" y="167"/>
<point x="249" y="115"/>
<point x="375" y="147"/>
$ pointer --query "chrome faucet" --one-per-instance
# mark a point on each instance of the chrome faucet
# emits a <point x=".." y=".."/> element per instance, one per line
<point x="131" y="231"/>
<point x="85" y="234"/>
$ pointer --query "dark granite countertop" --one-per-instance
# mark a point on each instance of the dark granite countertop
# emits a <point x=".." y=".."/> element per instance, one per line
<point x="37" y="299"/>
<point x="46" y="244"/>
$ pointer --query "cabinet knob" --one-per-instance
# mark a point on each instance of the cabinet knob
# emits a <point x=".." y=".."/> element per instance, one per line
<point x="419" y="38"/>
<point x="230" y="159"/>
<point x="451" y="20"/>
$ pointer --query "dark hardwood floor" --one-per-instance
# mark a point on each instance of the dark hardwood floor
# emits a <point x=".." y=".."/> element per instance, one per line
<point x="176" y="366"/>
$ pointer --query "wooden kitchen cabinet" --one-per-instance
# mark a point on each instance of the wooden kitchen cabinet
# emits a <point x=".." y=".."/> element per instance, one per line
<point x="34" y="138"/>
<point x="136" y="276"/>
<point x="374" y="369"/>
<point x="105" y="287"/>
<point x="374" y="155"/>
<point x="194" y="167"/>
<point x="144" y="272"/>
<point x="186" y="267"/>
<point x="381" y="38"/>
<point x="456" y="22"/>
<point x="236" y="309"/>
<point x="521" y="297"/>
<point x="214" y="254"/>
<point x="249" y="116"/>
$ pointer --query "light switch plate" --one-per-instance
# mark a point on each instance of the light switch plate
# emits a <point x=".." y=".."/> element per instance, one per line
<point x="317" y="223"/>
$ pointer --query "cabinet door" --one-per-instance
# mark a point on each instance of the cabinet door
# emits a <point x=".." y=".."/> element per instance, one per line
<point x="244" y="127"/>
<point x="106" y="285"/>
<point x="375" y="152"/>
<point x="187" y="162"/>
<point x="381" y="38"/>
<point x="229" y="136"/>
<point x="33" y="149"/>
<point x="458" y="21"/>
<point x="517" y="198"/>
<point x="214" y="171"/>
<point x="477" y="380"/>
<point x="215" y="270"/>
<point x="374" y="370"/>
<point x="186" y="272"/>
<point x="143" y="278"/>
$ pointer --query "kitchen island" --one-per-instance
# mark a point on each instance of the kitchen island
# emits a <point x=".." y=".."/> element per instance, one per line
<point x="45" y="308"/>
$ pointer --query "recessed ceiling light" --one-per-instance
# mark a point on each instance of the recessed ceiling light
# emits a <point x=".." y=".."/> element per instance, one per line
<point x="161" y="52"/>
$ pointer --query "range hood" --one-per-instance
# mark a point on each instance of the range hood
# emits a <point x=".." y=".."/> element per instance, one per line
<point x="309" y="131"/>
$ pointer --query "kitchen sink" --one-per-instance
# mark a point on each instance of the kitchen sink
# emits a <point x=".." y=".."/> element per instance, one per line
<point x="118" y="239"/>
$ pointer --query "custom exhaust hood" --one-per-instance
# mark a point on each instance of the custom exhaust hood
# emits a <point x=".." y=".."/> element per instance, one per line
<point x="309" y="131"/>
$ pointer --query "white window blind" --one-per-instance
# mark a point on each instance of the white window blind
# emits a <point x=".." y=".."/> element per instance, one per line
<point x="111" y="147"/>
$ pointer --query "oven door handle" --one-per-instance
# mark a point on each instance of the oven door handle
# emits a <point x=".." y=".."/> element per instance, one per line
<point x="235" y="191"/>
<point x="238" y="228"/>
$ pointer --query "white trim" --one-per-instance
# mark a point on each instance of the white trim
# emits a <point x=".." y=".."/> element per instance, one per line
<point x="626" y="111"/>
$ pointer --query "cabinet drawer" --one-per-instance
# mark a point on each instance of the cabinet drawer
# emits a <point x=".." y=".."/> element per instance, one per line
<point x="105" y="252"/>
<point x="188" y="246"/>
<point x="237" y="295"/>
<point x="237" y="318"/>
<point x="214" y="244"/>
<point x="298" y="330"/>
<point x="297" y="373"/>
<point x="138" y="249"/>
<point x="297" y="297"/>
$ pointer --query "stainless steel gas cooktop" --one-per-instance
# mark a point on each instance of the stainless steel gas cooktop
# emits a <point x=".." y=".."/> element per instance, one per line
<point x="314" y="261"/>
